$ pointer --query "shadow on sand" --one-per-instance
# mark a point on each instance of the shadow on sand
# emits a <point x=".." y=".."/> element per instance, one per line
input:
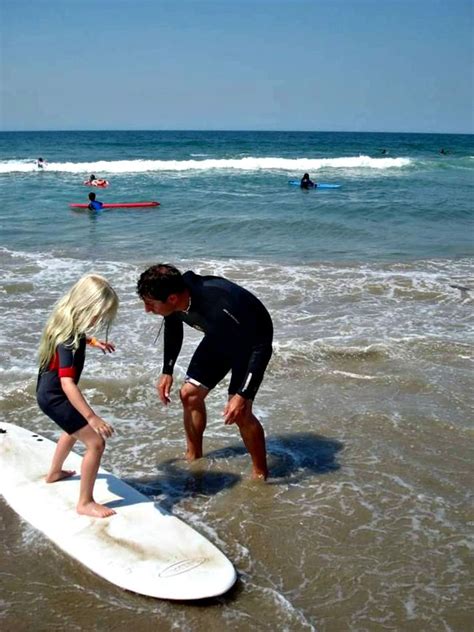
<point x="291" y="458"/>
<point x="178" y="480"/>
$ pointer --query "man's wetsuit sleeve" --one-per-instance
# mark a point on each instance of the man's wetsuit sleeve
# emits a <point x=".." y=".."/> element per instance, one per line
<point x="259" y="358"/>
<point x="173" y="340"/>
<point x="232" y="325"/>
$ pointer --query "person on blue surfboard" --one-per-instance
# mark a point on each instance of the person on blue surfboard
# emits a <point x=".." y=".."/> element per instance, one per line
<point x="238" y="333"/>
<point x="94" y="205"/>
<point x="306" y="182"/>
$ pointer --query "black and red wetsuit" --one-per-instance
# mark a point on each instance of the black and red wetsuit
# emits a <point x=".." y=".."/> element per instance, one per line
<point x="66" y="362"/>
<point x="238" y="335"/>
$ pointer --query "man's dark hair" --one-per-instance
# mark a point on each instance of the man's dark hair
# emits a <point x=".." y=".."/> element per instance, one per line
<point x="92" y="196"/>
<point x="159" y="281"/>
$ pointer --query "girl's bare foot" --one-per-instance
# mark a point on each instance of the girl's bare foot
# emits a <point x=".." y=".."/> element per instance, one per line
<point x="257" y="475"/>
<point x="95" y="510"/>
<point x="53" y="477"/>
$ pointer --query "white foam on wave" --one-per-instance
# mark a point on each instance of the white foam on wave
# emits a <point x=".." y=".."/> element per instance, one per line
<point x="356" y="376"/>
<point x="249" y="163"/>
<point x="352" y="317"/>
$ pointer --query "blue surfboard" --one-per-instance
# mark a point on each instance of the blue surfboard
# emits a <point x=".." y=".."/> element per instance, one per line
<point x="318" y="185"/>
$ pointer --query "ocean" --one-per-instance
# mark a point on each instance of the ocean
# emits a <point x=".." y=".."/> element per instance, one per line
<point x="367" y="402"/>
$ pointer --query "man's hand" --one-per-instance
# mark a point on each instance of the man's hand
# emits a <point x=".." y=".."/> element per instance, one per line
<point x="235" y="407"/>
<point x="164" y="388"/>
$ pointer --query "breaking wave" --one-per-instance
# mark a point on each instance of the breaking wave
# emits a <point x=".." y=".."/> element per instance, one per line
<point x="249" y="163"/>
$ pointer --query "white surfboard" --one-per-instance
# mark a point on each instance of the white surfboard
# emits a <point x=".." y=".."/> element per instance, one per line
<point x="142" y="548"/>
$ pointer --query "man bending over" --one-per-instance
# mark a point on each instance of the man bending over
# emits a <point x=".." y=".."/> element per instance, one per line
<point x="238" y="334"/>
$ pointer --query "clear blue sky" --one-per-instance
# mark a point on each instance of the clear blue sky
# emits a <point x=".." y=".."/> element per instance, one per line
<point x="350" y="65"/>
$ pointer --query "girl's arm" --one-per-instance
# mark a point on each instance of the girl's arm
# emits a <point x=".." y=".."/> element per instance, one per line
<point x="100" y="344"/>
<point x="77" y="399"/>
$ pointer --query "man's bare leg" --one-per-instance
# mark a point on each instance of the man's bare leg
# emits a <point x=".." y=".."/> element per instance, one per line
<point x="63" y="447"/>
<point x="194" y="418"/>
<point x="253" y="436"/>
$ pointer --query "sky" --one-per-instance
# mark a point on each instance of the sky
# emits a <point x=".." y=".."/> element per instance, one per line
<point x="319" y="65"/>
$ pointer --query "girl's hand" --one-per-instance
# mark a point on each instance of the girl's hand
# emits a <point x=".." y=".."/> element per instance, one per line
<point x="105" y="347"/>
<point x="100" y="426"/>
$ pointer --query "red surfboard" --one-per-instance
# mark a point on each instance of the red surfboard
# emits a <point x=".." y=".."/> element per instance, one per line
<point x="120" y="205"/>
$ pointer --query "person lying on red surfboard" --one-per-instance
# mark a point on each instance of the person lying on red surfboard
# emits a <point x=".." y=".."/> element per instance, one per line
<point x="94" y="205"/>
<point x="96" y="182"/>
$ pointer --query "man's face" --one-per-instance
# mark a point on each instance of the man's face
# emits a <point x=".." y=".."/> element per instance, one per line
<point x="161" y="308"/>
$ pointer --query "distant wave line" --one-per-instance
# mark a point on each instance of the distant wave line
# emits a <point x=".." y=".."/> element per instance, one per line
<point x="239" y="164"/>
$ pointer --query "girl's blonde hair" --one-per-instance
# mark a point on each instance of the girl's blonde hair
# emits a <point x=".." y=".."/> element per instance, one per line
<point x="89" y="305"/>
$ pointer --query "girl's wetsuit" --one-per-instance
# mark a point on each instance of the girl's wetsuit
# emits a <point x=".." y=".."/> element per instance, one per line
<point x="52" y="400"/>
<point x="238" y="335"/>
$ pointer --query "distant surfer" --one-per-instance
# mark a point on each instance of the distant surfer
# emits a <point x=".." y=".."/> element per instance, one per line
<point x="94" y="205"/>
<point x="40" y="163"/>
<point x="306" y="182"/>
<point x="96" y="182"/>
<point x="88" y="306"/>
<point x="443" y="151"/>
<point x="238" y="334"/>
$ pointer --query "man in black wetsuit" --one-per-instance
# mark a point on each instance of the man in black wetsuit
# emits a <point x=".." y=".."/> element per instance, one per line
<point x="238" y="334"/>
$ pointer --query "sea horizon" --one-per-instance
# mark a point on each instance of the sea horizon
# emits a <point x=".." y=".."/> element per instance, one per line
<point x="244" y="130"/>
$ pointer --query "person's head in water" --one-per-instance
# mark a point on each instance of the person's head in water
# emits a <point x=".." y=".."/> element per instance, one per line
<point x="92" y="177"/>
<point x="306" y="176"/>
<point x="92" y="196"/>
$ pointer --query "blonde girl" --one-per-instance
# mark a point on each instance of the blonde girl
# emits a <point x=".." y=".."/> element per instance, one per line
<point x="90" y="305"/>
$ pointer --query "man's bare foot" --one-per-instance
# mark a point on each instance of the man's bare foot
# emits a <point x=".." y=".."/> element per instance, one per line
<point x="95" y="510"/>
<point x="257" y="475"/>
<point x="192" y="455"/>
<point x="53" y="477"/>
